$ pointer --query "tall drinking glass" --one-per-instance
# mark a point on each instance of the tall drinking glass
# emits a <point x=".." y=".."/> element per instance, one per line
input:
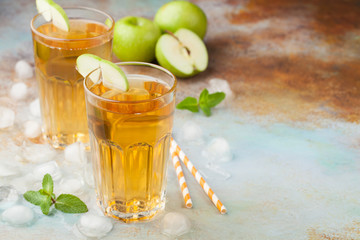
<point x="130" y="138"/>
<point x="60" y="85"/>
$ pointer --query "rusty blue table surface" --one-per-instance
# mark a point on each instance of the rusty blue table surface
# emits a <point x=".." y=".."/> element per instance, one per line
<point x="292" y="125"/>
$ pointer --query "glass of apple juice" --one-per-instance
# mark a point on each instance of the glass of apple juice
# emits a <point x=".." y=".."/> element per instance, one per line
<point x="130" y="139"/>
<point x="61" y="90"/>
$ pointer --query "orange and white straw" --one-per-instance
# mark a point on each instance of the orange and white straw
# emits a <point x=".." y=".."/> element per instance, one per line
<point x="175" y="149"/>
<point x="181" y="180"/>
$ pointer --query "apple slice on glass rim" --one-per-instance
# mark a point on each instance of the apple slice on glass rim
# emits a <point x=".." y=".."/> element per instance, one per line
<point x="112" y="75"/>
<point x="182" y="53"/>
<point x="52" y="11"/>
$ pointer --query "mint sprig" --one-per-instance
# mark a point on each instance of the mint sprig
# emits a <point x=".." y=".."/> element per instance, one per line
<point x="206" y="102"/>
<point x="45" y="198"/>
<point x="48" y="184"/>
<point x="70" y="204"/>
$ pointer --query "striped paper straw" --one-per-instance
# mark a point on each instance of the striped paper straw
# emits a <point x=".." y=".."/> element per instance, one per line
<point x="177" y="150"/>
<point x="181" y="180"/>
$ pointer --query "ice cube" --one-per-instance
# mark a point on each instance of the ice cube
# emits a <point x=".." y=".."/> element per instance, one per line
<point x="51" y="168"/>
<point x="38" y="153"/>
<point x="75" y="153"/>
<point x="221" y="85"/>
<point x="35" y="108"/>
<point x="218" y="150"/>
<point x="133" y="94"/>
<point x="175" y="224"/>
<point x="78" y="234"/>
<point x="95" y="226"/>
<point x="18" y="215"/>
<point x="32" y="129"/>
<point x="111" y="93"/>
<point x="138" y="94"/>
<point x="23" y="70"/>
<point x="192" y="133"/>
<point x="8" y="197"/>
<point x="7" y="171"/>
<point x="7" y="117"/>
<point x="25" y="183"/>
<point x="19" y="91"/>
<point x="71" y="185"/>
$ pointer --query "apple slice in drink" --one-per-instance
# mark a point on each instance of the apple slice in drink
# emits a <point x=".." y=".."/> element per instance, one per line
<point x="52" y="11"/>
<point x="43" y="7"/>
<point x="87" y="63"/>
<point x="182" y="53"/>
<point x="112" y="75"/>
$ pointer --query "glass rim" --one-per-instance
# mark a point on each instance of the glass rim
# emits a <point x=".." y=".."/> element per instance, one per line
<point x="34" y="30"/>
<point x="134" y="63"/>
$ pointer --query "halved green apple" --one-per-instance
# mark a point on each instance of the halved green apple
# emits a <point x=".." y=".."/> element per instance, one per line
<point x="182" y="53"/>
<point x="52" y="11"/>
<point x="112" y="75"/>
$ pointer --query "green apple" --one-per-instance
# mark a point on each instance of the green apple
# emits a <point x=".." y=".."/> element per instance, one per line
<point x="135" y="39"/>
<point x="182" y="53"/>
<point x="181" y="14"/>
<point x="52" y="11"/>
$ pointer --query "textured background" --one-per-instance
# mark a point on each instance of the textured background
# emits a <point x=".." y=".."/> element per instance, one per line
<point x="294" y="67"/>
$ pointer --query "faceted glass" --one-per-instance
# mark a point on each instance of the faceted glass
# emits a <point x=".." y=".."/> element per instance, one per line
<point x="130" y="138"/>
<point x="61" y="89"/>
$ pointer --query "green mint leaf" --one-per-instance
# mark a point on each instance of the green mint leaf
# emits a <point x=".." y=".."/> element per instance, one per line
<point x="68" y="203"/>
<point x="203" y="97"/>
<point x="43" y="192"/>
<point x="45" y="205"/>
<point x="206" y="102"/>
<point x="34" y="197"/>
<point x="48" y="184"/>
<point x="189" y="103"/>
<point x="206" y="110"/>
<point x="215" y="98"/>
<point x="203" y="102"/>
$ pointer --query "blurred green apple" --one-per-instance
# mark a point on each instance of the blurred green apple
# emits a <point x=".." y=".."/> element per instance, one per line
<point x="181" y="14"/>
<point x="182" y="53"/>
<point x="135" y="39"/>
